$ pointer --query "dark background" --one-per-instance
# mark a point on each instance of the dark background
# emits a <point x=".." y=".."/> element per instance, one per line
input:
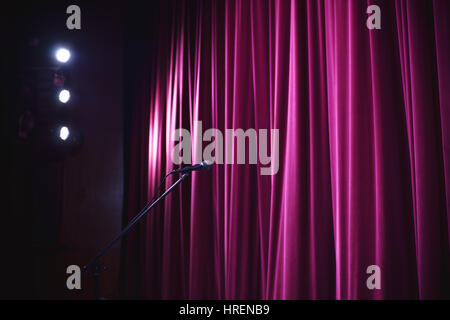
<point x="61" y="203"/>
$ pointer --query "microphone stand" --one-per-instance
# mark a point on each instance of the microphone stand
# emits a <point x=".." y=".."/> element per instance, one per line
<point x="93" y="264"/>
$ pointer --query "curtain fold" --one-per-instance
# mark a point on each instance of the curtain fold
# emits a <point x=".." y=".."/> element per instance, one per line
<point x="363" y="119"/>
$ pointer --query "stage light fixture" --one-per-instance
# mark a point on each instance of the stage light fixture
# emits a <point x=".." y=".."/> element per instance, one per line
<point x="62" y="55"/>
<point x="64" y="96"/>
<point x="64" y="133"/>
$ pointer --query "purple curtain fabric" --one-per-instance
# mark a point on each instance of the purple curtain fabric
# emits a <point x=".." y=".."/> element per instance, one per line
<point x="364" y="174"/>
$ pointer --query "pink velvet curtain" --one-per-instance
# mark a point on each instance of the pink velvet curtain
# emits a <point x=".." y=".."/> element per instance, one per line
<point x="364" y="177"/>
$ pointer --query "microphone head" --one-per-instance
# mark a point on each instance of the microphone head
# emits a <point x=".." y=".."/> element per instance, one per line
<point x="206" y="164"/>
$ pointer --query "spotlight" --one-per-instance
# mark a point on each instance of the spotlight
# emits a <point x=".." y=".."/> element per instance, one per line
<point x="64" y="96"/>
<point x="62" y="55"/>
<point x="64" y="133"/>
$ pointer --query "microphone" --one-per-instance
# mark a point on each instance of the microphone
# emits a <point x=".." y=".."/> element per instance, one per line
<point x="205" y="165"/>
